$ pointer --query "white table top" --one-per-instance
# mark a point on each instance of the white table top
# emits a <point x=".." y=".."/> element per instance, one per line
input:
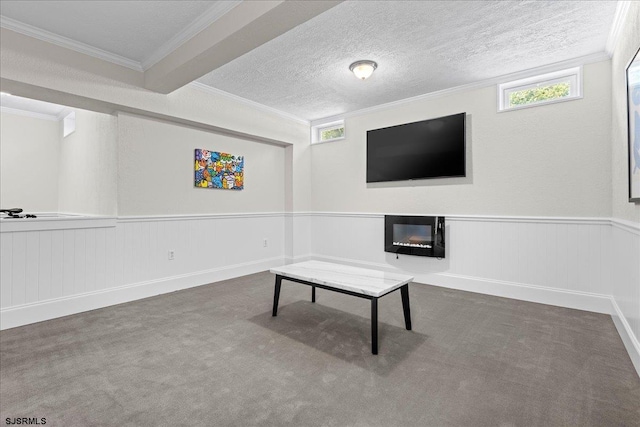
<point x="359" y="280"/>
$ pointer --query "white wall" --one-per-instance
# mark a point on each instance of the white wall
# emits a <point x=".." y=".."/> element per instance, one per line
<point x="75" y="265"/>
<point x="52" y="268"/>
<point x="628" y="45"/>
<point x="624" y="282"/>
<point x="29" y="155"/>
<point x="88" y="163"/>
<point x="554" y="261"/>
<point x="215" y="234"/>
<point x="532" y="220"/>
<point x="33" y="68"/>
<point x="44" y="172"/>
<point x="624" y="285"/>
<point x="552" y="160"/>
<point x="156" y="176"/>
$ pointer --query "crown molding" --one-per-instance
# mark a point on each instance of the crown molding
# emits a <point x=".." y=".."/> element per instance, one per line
<point x="214" y="91"/>
<point x="215" y="12"/>
<point x="616" y="28"/>
<point x="570" y="63"/>
<point x="49" y="37"/>
<point x="18" y="112"/>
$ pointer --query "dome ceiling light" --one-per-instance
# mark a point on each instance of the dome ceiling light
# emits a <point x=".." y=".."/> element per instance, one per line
<point x="363" y="69"/>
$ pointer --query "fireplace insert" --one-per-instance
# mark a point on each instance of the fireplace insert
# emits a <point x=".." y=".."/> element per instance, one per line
<point x="414" y="235"/>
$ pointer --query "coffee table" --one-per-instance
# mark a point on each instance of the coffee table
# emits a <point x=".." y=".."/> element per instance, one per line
<point x="359" y="282"/>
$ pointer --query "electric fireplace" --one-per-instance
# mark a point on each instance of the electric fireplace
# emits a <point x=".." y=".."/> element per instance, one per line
<point x="414" y="235"/>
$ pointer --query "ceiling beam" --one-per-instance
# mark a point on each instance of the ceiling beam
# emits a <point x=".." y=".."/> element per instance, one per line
<point x="242" y="29"/>
<point x="72" y="100"/>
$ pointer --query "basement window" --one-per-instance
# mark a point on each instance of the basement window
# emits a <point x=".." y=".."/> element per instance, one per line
<point x="547" y="88"/>
<point x="328" y="132"/>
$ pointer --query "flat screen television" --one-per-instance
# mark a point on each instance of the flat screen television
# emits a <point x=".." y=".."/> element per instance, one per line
<point x="433" y="148"/>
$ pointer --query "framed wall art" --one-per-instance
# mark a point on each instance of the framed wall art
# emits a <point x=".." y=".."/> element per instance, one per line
<point x="218" y="170"/>
<point x="633" y="116"/>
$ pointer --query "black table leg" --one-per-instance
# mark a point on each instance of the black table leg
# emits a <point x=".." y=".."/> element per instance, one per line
<point x="276" y="295"/>
<point x="404" y="291"/>
<point x="313" y="294"/>
<point x="374" y="325"/>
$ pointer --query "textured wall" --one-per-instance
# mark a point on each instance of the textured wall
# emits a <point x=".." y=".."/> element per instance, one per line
<point x="552" y="160"/>
<point x="155" y="171"/>
<point x="628" y="44"/>
<point x="88" y="160"/>
<point x="29" y="152"/>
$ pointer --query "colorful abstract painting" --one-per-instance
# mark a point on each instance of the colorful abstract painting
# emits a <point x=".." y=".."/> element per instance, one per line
<point x="219" y="170"/>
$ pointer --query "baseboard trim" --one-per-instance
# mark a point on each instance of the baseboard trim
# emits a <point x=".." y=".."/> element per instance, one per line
<point x="538" y="294"/>
<point x="13" y="317"/>
<point x="626" y="334"/>
<point x="299" y="258"/>
<point x="597" y="303"/>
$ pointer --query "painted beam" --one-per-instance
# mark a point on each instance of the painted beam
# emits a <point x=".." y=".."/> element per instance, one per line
<point x="117" y="107"/>
<point x="244" y="28"/>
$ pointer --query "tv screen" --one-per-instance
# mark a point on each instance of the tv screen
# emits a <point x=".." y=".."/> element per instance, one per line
<point x="433" y="148"/>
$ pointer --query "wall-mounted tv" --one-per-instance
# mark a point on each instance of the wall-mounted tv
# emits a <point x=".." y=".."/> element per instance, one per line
<point x="433" y="148"/>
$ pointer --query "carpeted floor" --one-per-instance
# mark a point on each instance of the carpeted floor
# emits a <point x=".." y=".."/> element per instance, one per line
<point x="214" y="356"/>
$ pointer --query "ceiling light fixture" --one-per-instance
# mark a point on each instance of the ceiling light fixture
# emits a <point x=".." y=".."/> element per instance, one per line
<point x="363" y="69"/>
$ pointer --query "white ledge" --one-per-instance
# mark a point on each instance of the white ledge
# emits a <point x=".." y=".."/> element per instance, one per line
<point x="55" y="222"/>
<point x="180" y="217"/>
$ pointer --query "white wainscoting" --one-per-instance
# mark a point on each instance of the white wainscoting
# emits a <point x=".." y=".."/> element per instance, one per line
<point x="565" y="256"/>
<point x="583" y="263"/>
<point x="48" y="272"/>
<point x="301" y="229"/>
<point x="624" y="285"/>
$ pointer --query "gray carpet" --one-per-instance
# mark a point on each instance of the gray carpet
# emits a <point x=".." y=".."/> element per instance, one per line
<point x="214" y="356"/>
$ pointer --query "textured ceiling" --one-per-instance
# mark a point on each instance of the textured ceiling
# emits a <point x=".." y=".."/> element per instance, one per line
<point x="131" y="29"/>
<point x="420" y="47"/>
